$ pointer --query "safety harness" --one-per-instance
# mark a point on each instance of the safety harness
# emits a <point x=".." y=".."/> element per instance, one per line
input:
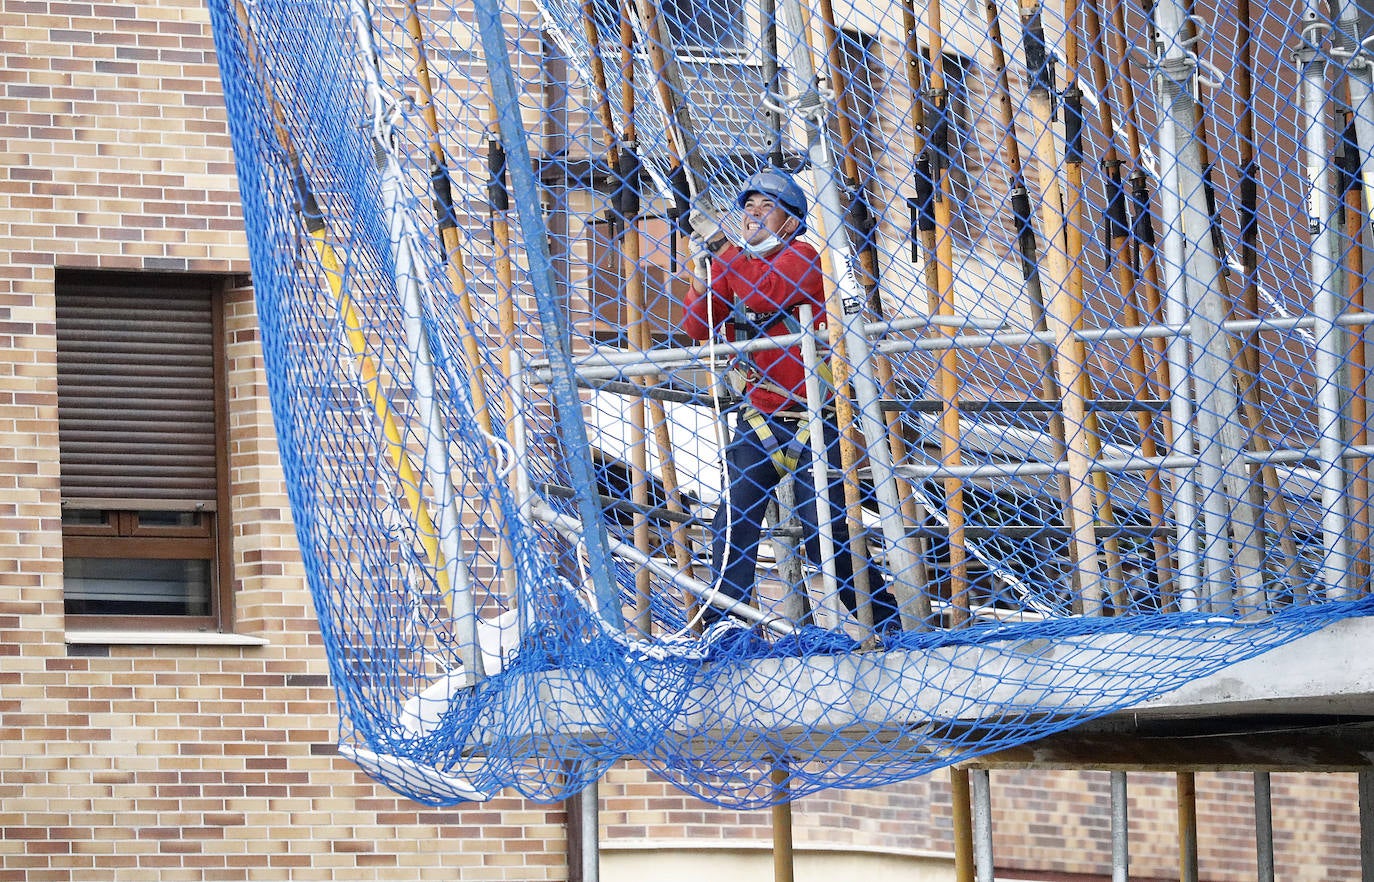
<point x="745" y="374"/>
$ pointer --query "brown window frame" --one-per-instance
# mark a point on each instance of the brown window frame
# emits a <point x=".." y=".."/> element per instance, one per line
<point x="118" y="533"/>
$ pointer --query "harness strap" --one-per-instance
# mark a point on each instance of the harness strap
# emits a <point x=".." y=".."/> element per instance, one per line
<point x="745" y="320"/>
<point x="785" y="459"/>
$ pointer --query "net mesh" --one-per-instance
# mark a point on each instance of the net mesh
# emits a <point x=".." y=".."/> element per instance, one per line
<point x="1079" y="414"/>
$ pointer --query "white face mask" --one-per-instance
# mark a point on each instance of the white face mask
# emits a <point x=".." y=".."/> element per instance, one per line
<point x="765" y="246"/>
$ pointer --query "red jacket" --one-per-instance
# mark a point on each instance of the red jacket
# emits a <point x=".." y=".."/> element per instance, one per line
<point x="783" y="281"/>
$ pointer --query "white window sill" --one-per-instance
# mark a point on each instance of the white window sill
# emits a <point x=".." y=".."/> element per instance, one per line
<point x="162" y="638"/>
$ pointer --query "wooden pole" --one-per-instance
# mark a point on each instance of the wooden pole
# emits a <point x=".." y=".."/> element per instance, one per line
<point x="456" y="272"/>
<point x="1074" y="238"/>
<point x="1064" y="312"/>
<point x="962" y="815"/>
<point x="1359" y="80"/>
<point x="1352" y="197"/>
<point x="1025" y="228"/>
<point x="947" y="371"/>
<point x="1123" y="273"/>
<point x="635" y="319"/>
<point x="687" y="175"/>
<point x="1030" y="270"/>
<point x="784" y="868"/>
<point x="672" y="487"/>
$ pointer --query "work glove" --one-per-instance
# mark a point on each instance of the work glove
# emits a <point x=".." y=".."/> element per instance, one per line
<point x="704" y="230"/>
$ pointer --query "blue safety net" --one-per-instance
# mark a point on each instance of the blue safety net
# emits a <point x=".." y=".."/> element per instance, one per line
<point x="1024" y="377"/>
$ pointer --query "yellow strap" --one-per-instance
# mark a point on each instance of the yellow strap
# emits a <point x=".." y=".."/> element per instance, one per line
<point x="784" y="460"/>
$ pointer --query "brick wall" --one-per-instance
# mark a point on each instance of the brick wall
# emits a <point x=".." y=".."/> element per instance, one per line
<point x="146" y="762"/>
<point x="200" y="761"/>
<point x="1046" y="825"/>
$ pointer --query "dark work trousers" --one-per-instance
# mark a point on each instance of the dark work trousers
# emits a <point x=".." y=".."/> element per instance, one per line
<point x="752" y="475"/>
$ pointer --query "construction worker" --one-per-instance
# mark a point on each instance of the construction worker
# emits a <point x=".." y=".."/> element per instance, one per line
<point x="756" y="288"/>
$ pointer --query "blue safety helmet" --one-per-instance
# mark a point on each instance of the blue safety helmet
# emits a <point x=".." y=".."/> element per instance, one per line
<point x="782" y="187"/>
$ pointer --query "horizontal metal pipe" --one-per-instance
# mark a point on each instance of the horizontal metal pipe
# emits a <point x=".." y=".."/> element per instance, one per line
<point x="608" y="365"/>
<point x="1116" y="464"/>
<point x="574" y="529"/>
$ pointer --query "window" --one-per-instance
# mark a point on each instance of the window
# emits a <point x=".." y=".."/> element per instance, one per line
<point x="664" y="287"/>
<point x="140" y="388"/>
<point x="862" y="69"/>
<point x="964" y="153"/>
<point x="714" y="28"/>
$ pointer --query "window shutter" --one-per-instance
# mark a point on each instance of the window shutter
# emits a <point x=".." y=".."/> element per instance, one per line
<point x="136" y="390"/>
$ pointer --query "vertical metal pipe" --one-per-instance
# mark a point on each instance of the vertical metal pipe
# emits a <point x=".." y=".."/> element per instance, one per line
<point x="782" y="515"/>
<point x="590" y="831"/>
<point x="1121" y="829"/>
<point x="850" y="445"/>
<point x="1186" y="785"/>
<point x="1328" y="357"/>
<point x="856" y="343"/>
<point x="415" y="297"/>
<point x="1264" y="829"/>
<point x="1173" y="83"/>
<point x="524" y="493"/>
<point x="1237" y="564"/>
<point x="820" y="477"/>
<point x="1218" y="432"/>
<point x="981" y="794"/>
